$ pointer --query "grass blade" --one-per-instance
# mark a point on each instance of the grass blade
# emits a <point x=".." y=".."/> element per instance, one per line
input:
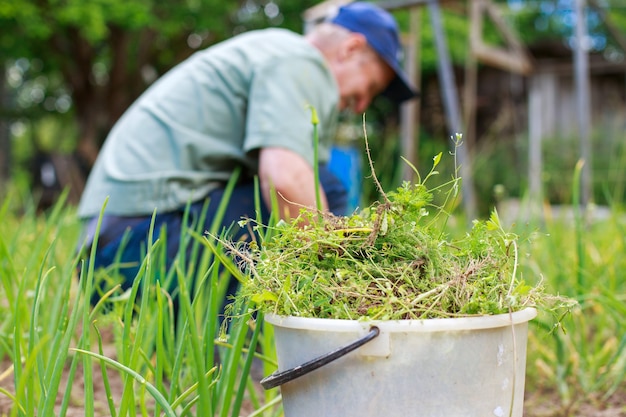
<point x="158" y="397"/>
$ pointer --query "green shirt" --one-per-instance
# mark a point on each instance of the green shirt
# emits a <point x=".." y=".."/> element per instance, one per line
<point x="186" y="134"/>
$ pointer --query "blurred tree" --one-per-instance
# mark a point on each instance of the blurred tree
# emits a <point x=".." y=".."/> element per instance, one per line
<point x="85" y="62"/>
<point x="92" y="59"/>
<point x="539" y="20"/>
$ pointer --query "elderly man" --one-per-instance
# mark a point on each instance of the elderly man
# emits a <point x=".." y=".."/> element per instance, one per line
<point x="242" y="106"/>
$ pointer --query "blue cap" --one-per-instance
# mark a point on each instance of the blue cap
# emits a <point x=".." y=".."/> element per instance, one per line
<point x="381" y="32"/>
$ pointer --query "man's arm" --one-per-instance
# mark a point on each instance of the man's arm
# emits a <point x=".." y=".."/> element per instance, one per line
<point x="291" y="177"/>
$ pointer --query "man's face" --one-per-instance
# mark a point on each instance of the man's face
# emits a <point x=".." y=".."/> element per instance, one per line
<point x="361" y="75"/>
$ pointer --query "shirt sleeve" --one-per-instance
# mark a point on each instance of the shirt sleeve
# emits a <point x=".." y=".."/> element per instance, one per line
<point x="279" y="107"/>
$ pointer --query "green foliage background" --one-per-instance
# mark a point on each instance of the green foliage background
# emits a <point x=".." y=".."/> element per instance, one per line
<point x="74" y="66"/>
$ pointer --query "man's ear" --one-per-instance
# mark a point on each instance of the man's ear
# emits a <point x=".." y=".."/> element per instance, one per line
<point x="353" y="44"/>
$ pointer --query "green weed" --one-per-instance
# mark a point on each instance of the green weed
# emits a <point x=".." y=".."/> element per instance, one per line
<point x="53" y="339"/>
<point x="581" y="258"/>
<point x="391" y="261"/>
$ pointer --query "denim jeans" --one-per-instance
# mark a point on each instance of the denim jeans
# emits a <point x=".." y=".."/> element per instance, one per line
<point x="123" y="241"/>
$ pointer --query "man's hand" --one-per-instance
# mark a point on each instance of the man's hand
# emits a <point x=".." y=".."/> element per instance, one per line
<point x="291" y="177"/>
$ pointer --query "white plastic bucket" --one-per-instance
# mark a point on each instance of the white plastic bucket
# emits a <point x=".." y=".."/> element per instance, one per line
<point x="458" y="367"/>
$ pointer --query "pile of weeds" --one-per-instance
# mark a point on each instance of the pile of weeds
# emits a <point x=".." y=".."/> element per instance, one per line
<point x="389" y="261"/>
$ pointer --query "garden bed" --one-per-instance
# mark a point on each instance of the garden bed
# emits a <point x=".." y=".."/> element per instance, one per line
<point x="544" y="403"/>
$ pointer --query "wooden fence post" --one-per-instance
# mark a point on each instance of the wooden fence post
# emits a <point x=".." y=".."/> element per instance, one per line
<point x="581" y="72"/>
<point x="451" y="106"/>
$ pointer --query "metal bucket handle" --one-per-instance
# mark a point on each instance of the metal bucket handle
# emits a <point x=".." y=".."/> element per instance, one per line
<point x="279" y="378"/>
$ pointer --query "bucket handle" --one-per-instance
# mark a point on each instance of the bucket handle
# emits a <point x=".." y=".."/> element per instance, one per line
<point x="279" y="378"/>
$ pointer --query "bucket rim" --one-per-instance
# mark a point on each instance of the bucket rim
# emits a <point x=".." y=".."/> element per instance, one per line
<point x="417" y="325"/>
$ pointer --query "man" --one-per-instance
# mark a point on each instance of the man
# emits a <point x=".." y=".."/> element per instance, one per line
<point x="241" y="106"/>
